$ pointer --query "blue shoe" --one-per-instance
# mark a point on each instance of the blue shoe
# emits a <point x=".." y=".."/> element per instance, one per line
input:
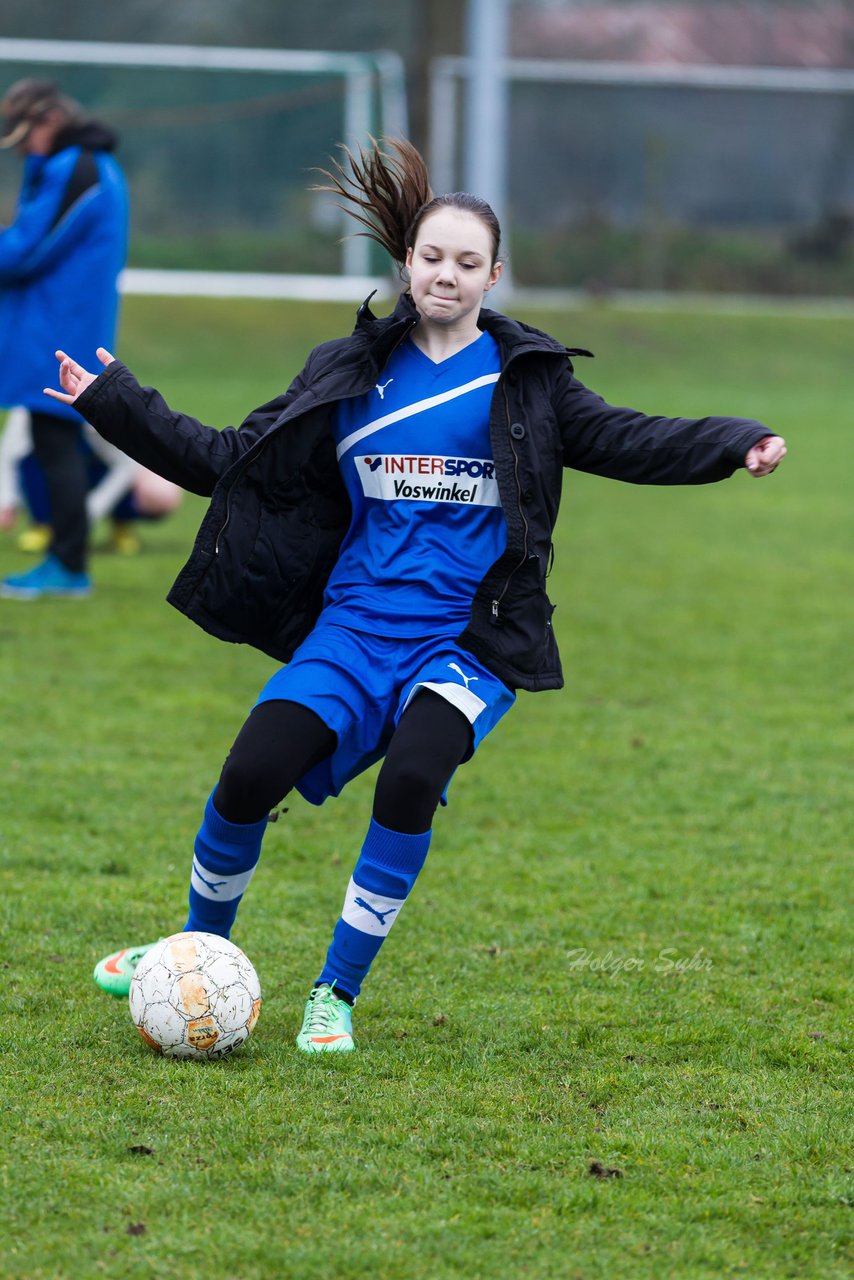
<point x="50" y="578"/>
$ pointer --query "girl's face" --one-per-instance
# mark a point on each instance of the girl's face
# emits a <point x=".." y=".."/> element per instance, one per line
<point x="450" y="267"/>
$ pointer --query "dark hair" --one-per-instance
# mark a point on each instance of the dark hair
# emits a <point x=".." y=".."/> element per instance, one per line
<point x="33" y="98"/>
<point x="391" y="196"/>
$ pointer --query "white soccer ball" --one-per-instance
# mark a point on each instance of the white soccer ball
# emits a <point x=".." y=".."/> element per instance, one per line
<point x="195" y="995"/>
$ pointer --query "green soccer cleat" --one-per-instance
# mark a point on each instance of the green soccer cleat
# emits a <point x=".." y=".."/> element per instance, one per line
<point x="114" y="972"/>
<point x="327" y="1026"/>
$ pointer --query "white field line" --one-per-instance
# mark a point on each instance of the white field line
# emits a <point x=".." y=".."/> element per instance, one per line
<point x="240" y="284"/>
<point x="339" y="288"/>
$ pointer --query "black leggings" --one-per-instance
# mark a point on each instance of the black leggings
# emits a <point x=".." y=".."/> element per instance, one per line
<point x="281" y="741"/>
<point x="56" y="444"/>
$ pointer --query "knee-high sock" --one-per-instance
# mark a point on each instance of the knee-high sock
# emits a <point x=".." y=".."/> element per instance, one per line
<point x="226" y="854"/>
<point x="383" y="876"/>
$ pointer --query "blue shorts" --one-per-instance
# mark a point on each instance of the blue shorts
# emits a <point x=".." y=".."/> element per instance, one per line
<point x="361" y="684"/>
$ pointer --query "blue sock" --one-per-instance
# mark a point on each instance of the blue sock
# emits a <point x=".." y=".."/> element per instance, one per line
<point x="387" y="869"/>
<point x="226" y="854"/>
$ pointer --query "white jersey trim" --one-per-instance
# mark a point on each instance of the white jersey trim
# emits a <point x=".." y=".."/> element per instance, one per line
<point x="409" y="411"/>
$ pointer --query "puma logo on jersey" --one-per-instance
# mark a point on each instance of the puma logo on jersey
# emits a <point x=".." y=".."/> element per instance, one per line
<point x="382" y="386"/>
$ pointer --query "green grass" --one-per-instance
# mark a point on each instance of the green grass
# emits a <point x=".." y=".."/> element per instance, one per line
<point x="677" y="257"/>
<point x="687" y="797"/>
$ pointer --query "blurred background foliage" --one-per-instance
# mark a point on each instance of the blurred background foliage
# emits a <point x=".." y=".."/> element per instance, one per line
<point x="610" y="187"/>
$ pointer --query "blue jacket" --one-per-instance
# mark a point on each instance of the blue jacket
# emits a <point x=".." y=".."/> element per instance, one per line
<point x="59" y="265"/>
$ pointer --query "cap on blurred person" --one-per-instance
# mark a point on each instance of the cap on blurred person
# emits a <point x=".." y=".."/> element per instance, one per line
<point x="26" y="104"/>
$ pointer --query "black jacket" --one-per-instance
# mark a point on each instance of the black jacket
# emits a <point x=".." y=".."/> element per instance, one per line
<point x="279" y="509"/>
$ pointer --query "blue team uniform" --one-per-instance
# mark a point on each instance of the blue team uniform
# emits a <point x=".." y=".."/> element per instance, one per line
<point x="416" y="458"/>
<point x="427" y="523"/>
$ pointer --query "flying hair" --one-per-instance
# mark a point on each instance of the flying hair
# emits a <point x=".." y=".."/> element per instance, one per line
<point x="390" y="195"/>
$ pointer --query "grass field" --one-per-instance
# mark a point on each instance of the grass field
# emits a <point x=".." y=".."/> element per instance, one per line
<point x="629" y="950"/>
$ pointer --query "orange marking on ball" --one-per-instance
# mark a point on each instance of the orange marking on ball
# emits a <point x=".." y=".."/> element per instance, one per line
<point x="194" y="995"/>
<point x="183" y="953"/>
<point x="202" y="1033"/>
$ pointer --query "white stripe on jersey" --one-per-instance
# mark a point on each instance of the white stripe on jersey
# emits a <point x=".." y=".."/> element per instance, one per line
<point x="410" y="410"/>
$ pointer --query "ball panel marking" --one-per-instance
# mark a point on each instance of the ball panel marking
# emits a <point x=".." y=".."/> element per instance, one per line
<point x="191" y="994"/>
<point x="152" y="1044"/>
<point x="253" y="1017"/>
<point x="202" y="1033"/>
<point x="184" y="953"/>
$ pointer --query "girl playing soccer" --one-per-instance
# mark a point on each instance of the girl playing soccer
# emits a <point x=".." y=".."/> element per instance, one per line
<point x="384" y="528"/>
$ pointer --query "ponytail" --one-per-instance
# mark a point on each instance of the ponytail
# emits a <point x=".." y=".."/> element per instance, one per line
<point x="390" y="195"/>
<point x="384" y="192"/>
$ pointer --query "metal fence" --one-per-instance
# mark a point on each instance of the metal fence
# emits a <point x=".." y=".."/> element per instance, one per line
<point x="697" y="178"/>
<point x="652" y="176"/>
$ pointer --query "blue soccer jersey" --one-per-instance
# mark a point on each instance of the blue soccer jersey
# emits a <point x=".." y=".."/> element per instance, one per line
<point x="427" y="523"/>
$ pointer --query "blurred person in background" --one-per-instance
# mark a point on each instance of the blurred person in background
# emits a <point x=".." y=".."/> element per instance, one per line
<point x="119" y="490"/>
<point x="59" y="265"/>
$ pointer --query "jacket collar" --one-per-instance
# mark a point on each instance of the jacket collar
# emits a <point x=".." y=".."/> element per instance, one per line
<point x="516" y="338"/>
<point x="513" y="337"/>
<point x="373" y="326"/>
<point x="383" y="333"/>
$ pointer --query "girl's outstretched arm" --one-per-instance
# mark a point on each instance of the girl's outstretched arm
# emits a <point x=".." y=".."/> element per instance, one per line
<point x="139" y="422"/>
<point x="766" y="456"/>
<point x="625" y="444"/>
<point x="73" y="378"/>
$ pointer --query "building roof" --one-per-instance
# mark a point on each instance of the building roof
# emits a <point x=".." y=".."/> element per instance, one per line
<point x="724" y="33"/>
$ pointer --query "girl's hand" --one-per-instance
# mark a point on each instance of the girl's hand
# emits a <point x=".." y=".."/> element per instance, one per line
<point x="73" y="378"/>
<point x="765" y="456"/>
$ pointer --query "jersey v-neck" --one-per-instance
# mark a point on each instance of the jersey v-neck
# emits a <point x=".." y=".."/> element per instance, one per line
<point x="409" y="341"/>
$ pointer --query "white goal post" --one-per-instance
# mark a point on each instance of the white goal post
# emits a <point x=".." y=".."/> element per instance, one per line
<point x="374" y="101"/>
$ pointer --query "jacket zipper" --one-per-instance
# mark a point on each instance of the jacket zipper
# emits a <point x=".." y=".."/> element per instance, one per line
<point x="262" y="446"/>
<point x="224" y="525"/>
<point x="496" y="603"/>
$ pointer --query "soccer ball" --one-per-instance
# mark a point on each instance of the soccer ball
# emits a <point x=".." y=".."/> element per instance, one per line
<point x="195" y="995"/>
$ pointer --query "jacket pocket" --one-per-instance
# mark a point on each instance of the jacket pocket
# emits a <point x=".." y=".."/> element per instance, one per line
<point x="525" y="618"/>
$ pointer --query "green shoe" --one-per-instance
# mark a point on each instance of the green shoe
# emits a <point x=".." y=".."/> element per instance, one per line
<point x="114" y="972"/>
<point x="327" y="1026"/>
